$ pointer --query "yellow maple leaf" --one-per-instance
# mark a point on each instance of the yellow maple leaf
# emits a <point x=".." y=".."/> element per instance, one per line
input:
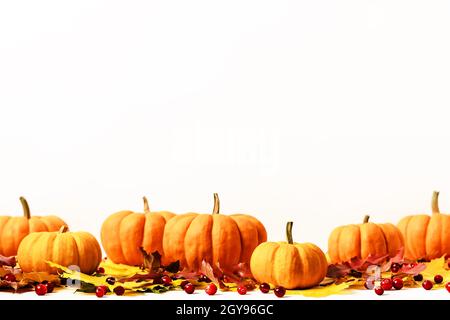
<point x="435" y="267"/>
<point x="120" y="270"/>
<point x="99" y="280"/>
<point x="318" y="292"/>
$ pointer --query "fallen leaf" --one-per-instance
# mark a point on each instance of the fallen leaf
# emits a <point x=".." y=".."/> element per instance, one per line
<point x="8" y="261"/>
<point x="435" y="267"/>
<point x="318" y="292"/>
<point x="151" y="261"/>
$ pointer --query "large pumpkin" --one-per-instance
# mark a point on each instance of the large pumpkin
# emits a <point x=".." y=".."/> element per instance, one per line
<point x="426" y="237"/>
<point x="364" y="240"/>
<point x="289" y="264"/>
<point x="64" y="248"/>
<point x="14" y="229"/>
<point x="125" y="232"/>
<point x="222" y="241"/>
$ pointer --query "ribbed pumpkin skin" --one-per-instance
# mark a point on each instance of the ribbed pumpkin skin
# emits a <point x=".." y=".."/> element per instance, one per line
<point x="218" y="239"/>
<point x="293" y="266"/>
<point x="66" y="249"/>
<point x="426" y="237"/>
<point x="363" y="240"/>
<point x="14" y="229"/>
<point x="124" y="232"/>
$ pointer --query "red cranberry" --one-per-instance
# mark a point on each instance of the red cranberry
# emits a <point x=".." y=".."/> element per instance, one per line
<point x="101" y="270"/>
<point x="10" y="277"/>
<point x="242" y="290"/>
<point x="279" y="291"/>
<point x="100" y="292"/>
<point x="379" y="290"/>
<point x="447" y="286"/>
<point x="395" y="267"/>
<point x="166" y="280"/>
<point x="189" y="288"/>
<point x="111" y="280"/>
<point x="438" y="278"/>
<point x="119" y="290"/>
<point x="41" y="289"/>
<point x="211" y="289"/>
<point x="418" y="277"/>
<point x="264" y="287"/>
<point x="386" y="284"/>
<point x="397" y="283"/>
<point x="427" y="285"/>
<point x="183" y="283"/>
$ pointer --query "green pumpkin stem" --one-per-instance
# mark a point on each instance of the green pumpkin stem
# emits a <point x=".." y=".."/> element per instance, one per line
<point x="216" y="208"/>
<point x="366" y="218"/>
<point x="26" y="208"/>
<point x="146" y="206"/>
<point x="435" y="202"/>
<point x="290" y="240"/>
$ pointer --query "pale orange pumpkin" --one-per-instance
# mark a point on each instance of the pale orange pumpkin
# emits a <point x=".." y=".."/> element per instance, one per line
<point x="79" y="249"/>
<point x="426" y="237"/>
<point x="220" y="240"/>
<point x="364" y="240"/>
<point x="14" y="229"/>
<point x="125" y="232"/>
<point x="289" y="264"/>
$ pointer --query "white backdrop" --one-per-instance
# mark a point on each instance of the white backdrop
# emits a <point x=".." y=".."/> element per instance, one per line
<point x="312" y="111"/>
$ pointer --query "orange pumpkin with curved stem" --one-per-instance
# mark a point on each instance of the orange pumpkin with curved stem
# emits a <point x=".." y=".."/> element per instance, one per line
<point x="125" y="232"/>
<point x="220" y="240"/>
<point x="426" y="237"/>
<point x="288" y="264"/>
<point x="80" y="249"/>
<point x="364" y="240"/>
<point x="14" y="229"/>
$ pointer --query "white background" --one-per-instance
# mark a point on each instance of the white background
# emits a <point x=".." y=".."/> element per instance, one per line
<point x="313" y="111"/>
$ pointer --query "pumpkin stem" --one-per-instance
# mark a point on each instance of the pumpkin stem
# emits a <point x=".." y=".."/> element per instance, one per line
<point x="434" y="202"/>
<point x="366" y="218"/>
<point x="216" y="208"/>
<point x="146" y="206"/>
<point x="26" y="208"/>
<point x="63" y="229"/>
<point x="290" y="240"/>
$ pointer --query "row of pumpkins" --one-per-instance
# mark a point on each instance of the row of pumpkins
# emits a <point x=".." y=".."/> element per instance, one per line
<point x="223" y="240"/>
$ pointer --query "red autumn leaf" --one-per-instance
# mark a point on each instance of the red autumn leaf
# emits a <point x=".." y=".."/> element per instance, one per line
<point x="412" y="268"/>
<point x="208" y="271"/>
<point x="338" y="270"/>
<point x="7" y="261"/>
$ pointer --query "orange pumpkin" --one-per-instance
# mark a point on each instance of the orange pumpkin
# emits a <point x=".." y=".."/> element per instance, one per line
<point x="364" y="240"/>
<point x="64" y="248"/>
<point x="218" y="239"/>
<point x="426" y="237"/>
<point x="288" y="264"/>
<point x="125" y="232"/>
<point x="14" y="229"/>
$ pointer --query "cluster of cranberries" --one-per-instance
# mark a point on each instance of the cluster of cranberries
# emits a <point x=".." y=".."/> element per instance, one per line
<point x="397" y="283"/>
<point x="428" y="284"/>
<point x="385" y="285"/>
<point x="211" y="288"/>
<point x="278" y="291"/>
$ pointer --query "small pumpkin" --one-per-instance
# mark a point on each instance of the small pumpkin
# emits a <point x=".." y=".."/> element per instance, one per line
<point x="64" y="248"/>
<point x="14" y="229"/>
<point x="364" y="240"/>
<point x="289" y="264"/>
<point x="220" y="240"/>
<point x="125" y="232"/>
<point x="426" y="237"/>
